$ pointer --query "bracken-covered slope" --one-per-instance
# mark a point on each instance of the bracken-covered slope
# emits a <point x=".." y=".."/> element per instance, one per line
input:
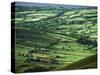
<point x="86" y="63"/>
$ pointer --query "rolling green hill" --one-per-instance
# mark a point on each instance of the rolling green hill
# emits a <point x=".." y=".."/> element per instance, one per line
<point x="50" y="38"/>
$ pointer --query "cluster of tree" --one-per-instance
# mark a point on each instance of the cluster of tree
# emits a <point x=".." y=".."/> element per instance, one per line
<point x="87" y="41"/>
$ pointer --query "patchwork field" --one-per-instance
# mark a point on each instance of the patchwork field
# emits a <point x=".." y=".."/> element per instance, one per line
<point x="49" y="38"/>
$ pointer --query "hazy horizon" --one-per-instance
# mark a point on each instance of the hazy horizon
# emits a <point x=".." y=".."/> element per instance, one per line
<point x="31" y="4"/>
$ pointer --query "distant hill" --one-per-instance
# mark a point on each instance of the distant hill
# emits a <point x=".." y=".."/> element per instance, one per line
<point x="30" y="4"/>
